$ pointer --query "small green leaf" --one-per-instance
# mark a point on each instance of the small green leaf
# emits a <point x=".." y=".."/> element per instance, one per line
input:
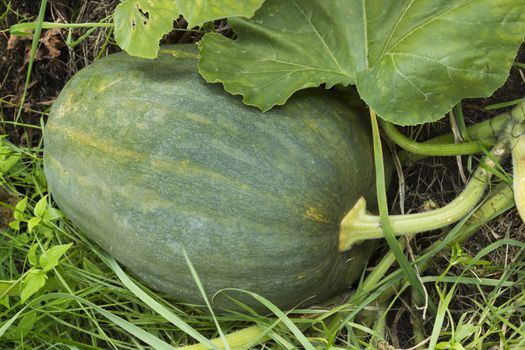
<point x="40" y="207"/>
<point x="140" y="24"/>
<point x="443" y="345"/>
<point x="5" y="301"/>
<point x="49" y="258"/>
<point x="31" y="255"/>
<point x="7" y="164"/>
<point x="15" y="225"/>
<point x="197" y="13"/>
<point x="21" y="239"/>
<point x="32" y="283"/>
<point x="26" y="324"/>
<point x="32" y="223"/>
<point x="52" y="214"/>
<point x="464" y="331"/>
<point x="20" y="208"/>
<point x="47" y="233"/>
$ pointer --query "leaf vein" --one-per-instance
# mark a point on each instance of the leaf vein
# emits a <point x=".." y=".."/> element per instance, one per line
<point x="323" y="42"/>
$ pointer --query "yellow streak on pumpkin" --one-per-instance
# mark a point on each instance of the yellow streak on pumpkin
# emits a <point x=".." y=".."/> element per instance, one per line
<point x="113" y="150"/>
<point x="67" y="106"/>
<point x="149" y="200"/>
<point x="314" y="214"/>
<point x="197" y="118"/>
<point x="105" y="86"/>
<point x="98" y="143"/>
<point x="301" y="275"/>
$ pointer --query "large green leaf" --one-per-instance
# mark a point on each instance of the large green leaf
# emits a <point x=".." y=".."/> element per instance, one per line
<point x="140" y="24"/>
<point x="285" y="48"/>
<point x="411" y="60"/>
<point x="434" y="53"/>
<point x="197" y="12"/>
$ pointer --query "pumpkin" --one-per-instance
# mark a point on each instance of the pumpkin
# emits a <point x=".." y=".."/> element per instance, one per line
<point x="150" y="161"/>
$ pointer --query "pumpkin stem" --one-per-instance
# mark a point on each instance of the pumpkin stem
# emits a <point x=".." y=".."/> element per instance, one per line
<point x="241" y="339"/>
<point x="358" y="225"/>
<point x="518" y="166"/>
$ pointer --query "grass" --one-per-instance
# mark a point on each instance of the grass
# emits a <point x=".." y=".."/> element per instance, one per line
<point x="89" y="302"/>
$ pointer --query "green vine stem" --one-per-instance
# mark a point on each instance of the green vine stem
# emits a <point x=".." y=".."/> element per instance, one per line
<point x="518" y="165"/>
<point x="21" y="29"/>
<point x="500" y="201"/>
<point x="431" y="149"/>
<point x="485" y="133"/>
<point x="242" y="339"/>
<point x="358" y="225"/>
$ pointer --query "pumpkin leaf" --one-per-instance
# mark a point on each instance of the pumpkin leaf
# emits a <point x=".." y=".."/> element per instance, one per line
<point x="140" y="24"/>
<point x="196" y="13"/>
<point x="410" y="60"/>
<point x="435" y="53"/>
<point x="286" y="47"/>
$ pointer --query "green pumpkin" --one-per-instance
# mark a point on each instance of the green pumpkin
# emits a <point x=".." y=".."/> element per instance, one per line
<point x="150" y="161"/>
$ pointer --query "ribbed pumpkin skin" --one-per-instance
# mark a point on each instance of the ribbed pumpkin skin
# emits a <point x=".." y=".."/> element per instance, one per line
<point x="149" y="160"/>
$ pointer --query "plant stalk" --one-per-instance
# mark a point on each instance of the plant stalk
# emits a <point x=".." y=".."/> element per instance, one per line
<point x="431" y="149"/>
<point x="485" y="133"/>
<point x="21" y="29"/>
<point x="518" y="166"/>
<point x="242" y="339"/>
<point x="358" y="226"/>
<point x="500" y="202"/>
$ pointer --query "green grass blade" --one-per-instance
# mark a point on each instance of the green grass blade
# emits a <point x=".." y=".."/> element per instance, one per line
<point x="135" y="331"/>
<point x="153" y="304"/>
<point x="281" y="315"/>
<point x="388" y="231"/>
<point x="34" y="47"/>
<point x="440" y="317"/>
<point x="23" y="28"/>
<point x="203" y="293"/>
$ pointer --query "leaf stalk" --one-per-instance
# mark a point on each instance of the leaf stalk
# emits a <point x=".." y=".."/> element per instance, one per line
<point x="358" y="225"/>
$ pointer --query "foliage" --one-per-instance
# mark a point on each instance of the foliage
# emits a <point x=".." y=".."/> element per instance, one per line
<point x="411" y="61"/>
<point x="140" y="24"/>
